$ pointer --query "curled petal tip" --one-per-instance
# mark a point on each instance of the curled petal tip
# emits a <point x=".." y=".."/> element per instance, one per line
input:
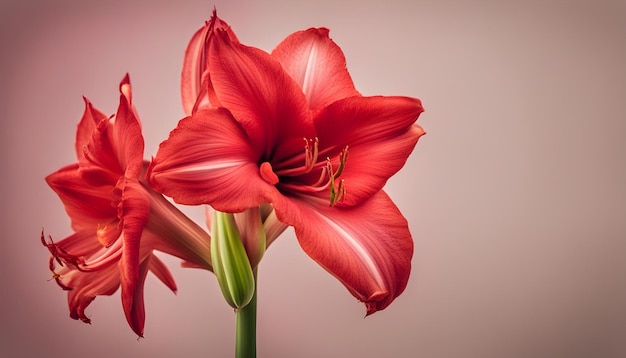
<point x="376" y="302"/>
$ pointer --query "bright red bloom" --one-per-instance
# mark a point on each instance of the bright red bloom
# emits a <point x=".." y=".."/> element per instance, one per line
<point x="118" y="220"/>
<point x="291" y="130"/>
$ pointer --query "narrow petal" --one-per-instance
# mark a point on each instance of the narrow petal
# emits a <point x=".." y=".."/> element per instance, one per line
<point x="261" y="96"/>
<point x="367" y="247"/>
<point x="158" y="268"/>
<point x="317" y="64"/>
<point x="132" y="298"/>
<point x="380" y="134"/>
<point x="207" y="160"/>
<point x="194" y="80"/>
<point x="133" y="210"/>
<point x="126" y="134"/>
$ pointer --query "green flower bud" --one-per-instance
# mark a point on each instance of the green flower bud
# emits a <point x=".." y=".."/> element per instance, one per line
<point x="230" y="261"/>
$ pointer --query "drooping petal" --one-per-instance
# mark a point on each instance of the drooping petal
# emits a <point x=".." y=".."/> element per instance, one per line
<point x="367" y="247"/>
<point x="196" y="88"/>
<point x="132" y="297"/>
<point x="133" y="210"/>
<point x="380" y="134"/>
<point x="261" y="96"/>
<point x="207" y="160"/>
<point x="318" y="65"/>
<point x="88" y="206"/>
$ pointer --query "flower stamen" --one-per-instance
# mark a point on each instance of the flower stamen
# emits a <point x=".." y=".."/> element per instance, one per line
<point x="328" y="173"/>
<point x="310" y="153"/>
<point x="108" y="256"/>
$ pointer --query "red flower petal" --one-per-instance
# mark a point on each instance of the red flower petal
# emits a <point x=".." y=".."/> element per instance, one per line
<point x="133" y="210"/>
<point x="207" y="159"/>
<point x="85" y="286"/>
<point x="380" y="135"/>
<point x="132" y="296"/>
<point x="88" y="206"/>
<point x="86" y="127"/>
<point x="126" y="134"/>
<point x="367" y="247"/>
<point x="170" y="231"/>
<point x="158" y="268"/>
<point x="116" y="147"/>
<point x="261" y="96"/>
<point x="317" y="64"/>
<point x="196" y="88"/>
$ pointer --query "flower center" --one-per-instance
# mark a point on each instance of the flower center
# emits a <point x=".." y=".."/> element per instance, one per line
<point x="329" y="172"/>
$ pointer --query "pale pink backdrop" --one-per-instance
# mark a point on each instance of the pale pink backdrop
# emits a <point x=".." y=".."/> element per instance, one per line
<point x="516" y="197"/>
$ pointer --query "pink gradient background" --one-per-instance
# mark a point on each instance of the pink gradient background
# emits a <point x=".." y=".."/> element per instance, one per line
<point x="516" y="196"/>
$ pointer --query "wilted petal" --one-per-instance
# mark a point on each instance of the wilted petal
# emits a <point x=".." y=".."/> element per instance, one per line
<point x="207" y="159"/>
<point x="367" y="247"/>
<point x="317" y="64"/>
<point x="380" y="134"/>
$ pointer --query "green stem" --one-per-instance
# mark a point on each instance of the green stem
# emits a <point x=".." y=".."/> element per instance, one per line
<point x="245" y="346"/>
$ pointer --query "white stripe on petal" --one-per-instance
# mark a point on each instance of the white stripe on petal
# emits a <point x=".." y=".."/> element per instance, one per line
<point x="309" y="73"/>
<point x="359" y="250"/>
<point x="208" y="166"/>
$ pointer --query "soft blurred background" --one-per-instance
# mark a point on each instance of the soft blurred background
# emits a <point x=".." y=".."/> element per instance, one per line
<point x="516" y="197"/>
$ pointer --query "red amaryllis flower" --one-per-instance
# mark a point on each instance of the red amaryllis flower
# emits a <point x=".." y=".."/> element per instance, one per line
<point x="292" y="131"/>
<point x="118" y="220"/>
